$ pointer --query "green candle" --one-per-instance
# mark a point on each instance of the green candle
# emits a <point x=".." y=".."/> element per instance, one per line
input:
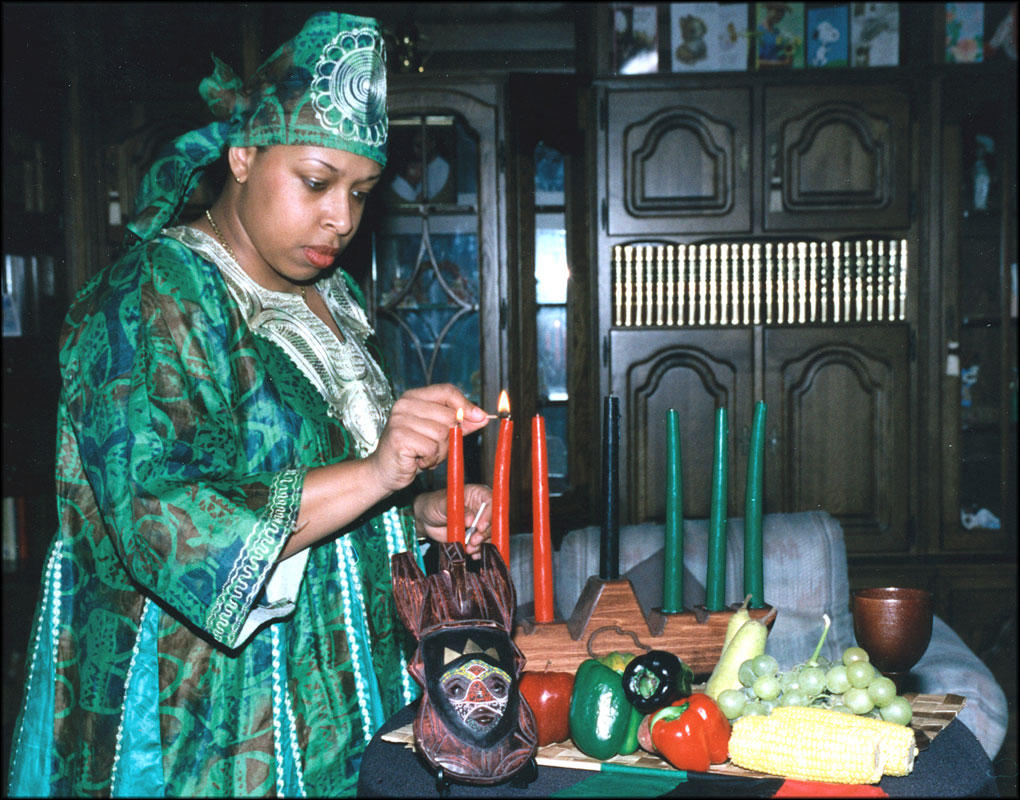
<point x="673" y="567"/>
<point x="754" y="571"/>
<point x="715" y="585"/>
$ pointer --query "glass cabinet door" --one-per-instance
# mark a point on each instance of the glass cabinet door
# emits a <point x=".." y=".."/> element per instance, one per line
<point x="981" y="326"/>
<point x="437" y="251"/>
<point x="426" y="255"/>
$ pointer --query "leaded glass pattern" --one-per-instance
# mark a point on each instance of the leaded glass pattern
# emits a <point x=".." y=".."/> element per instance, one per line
<point x="426" y="259"/>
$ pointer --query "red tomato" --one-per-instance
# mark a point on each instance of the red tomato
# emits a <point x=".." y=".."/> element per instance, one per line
<point x="548" y="694"/>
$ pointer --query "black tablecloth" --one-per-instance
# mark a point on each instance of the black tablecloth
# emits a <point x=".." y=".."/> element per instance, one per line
<point x="954" y="765"/>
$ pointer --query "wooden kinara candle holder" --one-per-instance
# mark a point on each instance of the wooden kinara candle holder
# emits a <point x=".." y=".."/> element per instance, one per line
<point x="695" y="635"/>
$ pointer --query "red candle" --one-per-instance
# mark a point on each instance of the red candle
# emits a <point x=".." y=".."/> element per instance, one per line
<point x="501" y="481"/>
<point x="455" y="483"/>
<point x="541" y="542"/>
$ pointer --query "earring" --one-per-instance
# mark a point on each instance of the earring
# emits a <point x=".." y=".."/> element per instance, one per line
<point x="238" y="180"/>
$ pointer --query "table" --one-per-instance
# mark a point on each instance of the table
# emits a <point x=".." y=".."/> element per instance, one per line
<point x="954" y="765"/>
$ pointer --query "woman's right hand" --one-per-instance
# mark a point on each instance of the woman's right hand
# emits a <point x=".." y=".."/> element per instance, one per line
<point x="416" y="435"/>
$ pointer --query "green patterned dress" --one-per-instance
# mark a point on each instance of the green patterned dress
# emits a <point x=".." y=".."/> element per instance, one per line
<point x="171" y="654"/>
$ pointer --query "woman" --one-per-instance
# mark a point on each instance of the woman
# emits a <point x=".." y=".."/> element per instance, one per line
<point x="217" y="616"/>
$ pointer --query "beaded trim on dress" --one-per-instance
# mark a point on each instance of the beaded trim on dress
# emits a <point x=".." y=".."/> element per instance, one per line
<point x="341" y="369"/>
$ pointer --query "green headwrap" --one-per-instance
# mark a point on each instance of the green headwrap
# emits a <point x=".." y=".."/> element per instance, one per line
<point x="325" y="87"/>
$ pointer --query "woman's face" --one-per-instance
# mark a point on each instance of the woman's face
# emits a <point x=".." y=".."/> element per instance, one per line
<point x="300" y="206"/>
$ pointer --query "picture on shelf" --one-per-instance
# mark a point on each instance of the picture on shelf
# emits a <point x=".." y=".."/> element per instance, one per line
<point x="779" y="35"/>
<point x="635" y="39"/>
<point x="828" y="36"/>
<point x="708" y="37"/>
<point x="965" y="30"/>
<point x="875" y="34"/>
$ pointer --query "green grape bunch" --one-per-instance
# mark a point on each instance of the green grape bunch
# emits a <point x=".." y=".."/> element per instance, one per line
<point x="851" y="685"/>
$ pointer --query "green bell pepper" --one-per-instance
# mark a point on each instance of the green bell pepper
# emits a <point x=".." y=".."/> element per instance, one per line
<point x="600" y="714"/>
<point x="630" y="741"/>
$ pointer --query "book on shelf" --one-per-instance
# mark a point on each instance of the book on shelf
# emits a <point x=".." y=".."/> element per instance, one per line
<point x="29" y="285"/>
<point x="15" y="533"/>
<point x="13" y="294"/>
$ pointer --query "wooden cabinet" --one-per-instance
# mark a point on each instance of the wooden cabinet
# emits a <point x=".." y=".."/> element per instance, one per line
<point x="835" y="434"/>
<point x="837" y="437"/>
<point x="35" y="296"/>
<point x="836" y="158"/>
<point x="825" y="336"/>
<point x="679" y="161"/>
<point x="695" y="371"/>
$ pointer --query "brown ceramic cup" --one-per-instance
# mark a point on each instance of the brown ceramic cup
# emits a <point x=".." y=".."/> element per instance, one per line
<point x="893" y="624"/>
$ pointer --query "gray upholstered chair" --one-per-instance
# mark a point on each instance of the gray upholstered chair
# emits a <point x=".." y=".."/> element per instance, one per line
<point x="805" y="576"/>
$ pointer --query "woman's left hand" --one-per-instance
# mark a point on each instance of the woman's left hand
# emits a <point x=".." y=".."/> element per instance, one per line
<point x="430" y="515"/>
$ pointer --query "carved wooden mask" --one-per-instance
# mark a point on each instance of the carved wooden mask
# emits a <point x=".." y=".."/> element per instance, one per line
<point x="472" y="725"/>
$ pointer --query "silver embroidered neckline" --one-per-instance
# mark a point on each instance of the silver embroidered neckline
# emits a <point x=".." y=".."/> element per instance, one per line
<point x="342" y="370"/>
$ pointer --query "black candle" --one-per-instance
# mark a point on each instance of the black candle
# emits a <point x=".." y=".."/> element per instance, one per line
<point x="609" y="555"/>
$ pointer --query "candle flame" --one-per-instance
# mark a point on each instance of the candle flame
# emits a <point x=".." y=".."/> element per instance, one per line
<point x="460" y="415"/>
<point x="504" y="404"/>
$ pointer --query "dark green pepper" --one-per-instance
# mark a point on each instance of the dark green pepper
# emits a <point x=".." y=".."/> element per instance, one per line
<point x="599" y="712"/>
<point x="655" y="679"/>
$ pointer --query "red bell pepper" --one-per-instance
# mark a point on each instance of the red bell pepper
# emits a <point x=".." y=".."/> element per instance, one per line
<point x="692" y="733"/>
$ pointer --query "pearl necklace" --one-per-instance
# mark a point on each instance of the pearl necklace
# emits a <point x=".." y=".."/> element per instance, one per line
<point x="230" y="250"/>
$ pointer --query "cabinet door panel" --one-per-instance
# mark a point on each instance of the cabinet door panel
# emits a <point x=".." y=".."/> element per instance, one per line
<point x="837" y="158"/>
<point x="438" y="254"/>
<point x="694" y="372"/>
<point x="837" y="432"/>
<point x="678" y="161"/>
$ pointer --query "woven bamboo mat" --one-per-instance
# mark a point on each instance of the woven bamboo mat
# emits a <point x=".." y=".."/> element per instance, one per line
<point x="932" y="713"/>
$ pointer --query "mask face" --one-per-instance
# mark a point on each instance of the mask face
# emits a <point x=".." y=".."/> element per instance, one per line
<point x="478" y="692"/>
<point x="469" y="679"/>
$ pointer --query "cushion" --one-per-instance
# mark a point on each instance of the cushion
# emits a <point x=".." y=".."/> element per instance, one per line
<point x="949" y="666"/>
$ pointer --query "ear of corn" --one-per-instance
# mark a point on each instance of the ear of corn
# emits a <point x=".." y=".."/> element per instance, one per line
<point x="807" y="749"/>
<point x="899" y="747"/>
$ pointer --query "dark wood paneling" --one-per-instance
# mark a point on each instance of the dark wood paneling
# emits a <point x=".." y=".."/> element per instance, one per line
<point x="679" y="161"/>
<point x="695" y="372"/>
<point x="837" y="158"/>
<point x="838" y="428"/>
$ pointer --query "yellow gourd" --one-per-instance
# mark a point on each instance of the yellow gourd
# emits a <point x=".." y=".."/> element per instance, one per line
<point x="747" y="642"/>
<point x="740" y="616"/>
